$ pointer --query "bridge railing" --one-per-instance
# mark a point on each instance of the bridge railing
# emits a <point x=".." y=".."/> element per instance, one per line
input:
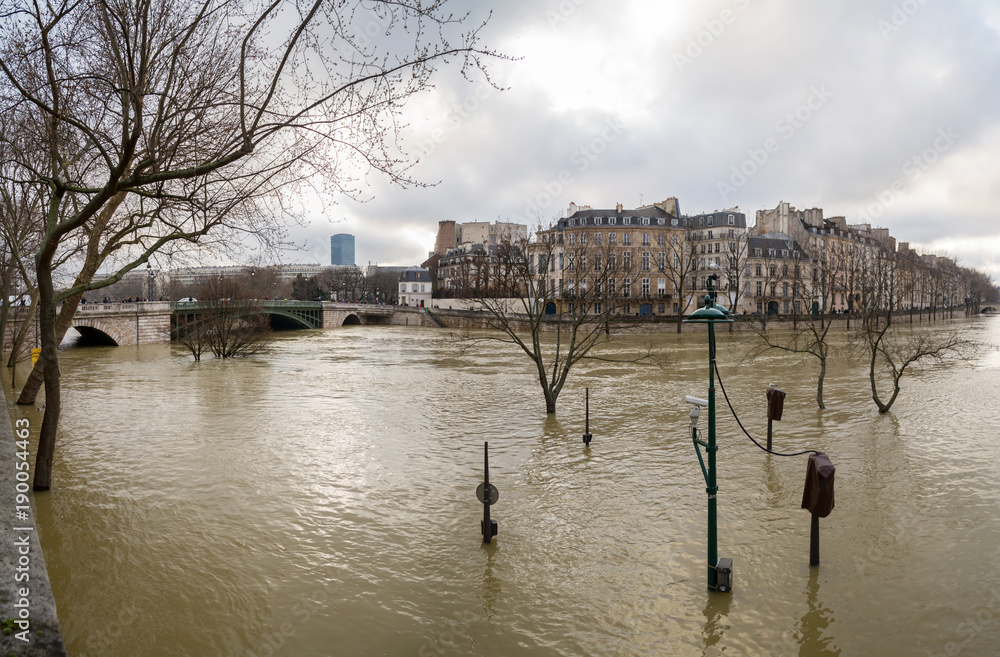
<point x="141" y="306"/>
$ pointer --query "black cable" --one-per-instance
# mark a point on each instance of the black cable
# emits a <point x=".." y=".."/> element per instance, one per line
<point x="733" y="411"/>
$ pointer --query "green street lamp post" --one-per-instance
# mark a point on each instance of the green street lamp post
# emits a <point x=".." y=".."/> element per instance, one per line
<point x="719" y="571"/>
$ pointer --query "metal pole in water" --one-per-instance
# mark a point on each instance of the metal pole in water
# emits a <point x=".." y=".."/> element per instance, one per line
<point x="488" y="495"/>
<point x="586" y="436"/>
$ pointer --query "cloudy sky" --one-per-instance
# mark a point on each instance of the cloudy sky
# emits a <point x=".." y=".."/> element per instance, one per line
<point x="885" y="111"/>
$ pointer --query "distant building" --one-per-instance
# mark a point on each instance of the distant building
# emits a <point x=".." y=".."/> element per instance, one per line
<point x="286" y="273"/>
<point x="451" y="234"/>
<point x="414" y="287"/>
<point x="342" y="249"/>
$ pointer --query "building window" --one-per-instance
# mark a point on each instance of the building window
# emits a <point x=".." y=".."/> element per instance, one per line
<point x="597" y="262"/>
<point x="598" y="220"/>
<point x="661" y="239"/>
<point x="757" y="269"/>
<point x="583" y="238"/>
<point x="756" y="252"/>
<point x="732" y="220"/>
<point x="626" y="239"/>
<point x="414" y="289"/>
<point x="645" y="260"/>
<point x="760" y="288"/>
<point x="661" y="261"/>
<point x="709" y="221"/>
<point x="627" y="288"/>
<point x="645" y="287"/>
<point x="661" y="289"/>
<point x="626" y="260"/>
<point x="645" y="221"/>
<point x="627" y="221"/>
<point x="571" y="239"/>
<point x="661" y="308"/>
<point x="612" y="239"/>
<point x="613" y="220"/>
<point x="716" y="247"/>
<point x="598" y="238"/>
<point x="645" y="239"/>
<point x="774" y="289"/>
<point x="709" y="234"/>
<point x="660" y="221"/>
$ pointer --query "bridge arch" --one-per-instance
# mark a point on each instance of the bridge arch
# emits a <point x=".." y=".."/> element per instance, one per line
<point x="351" y="320"/>
<point x="93" y="336"/>
<point x="114" y="331"/>
<point x="989" y="310"/>
<point x="285" y="321"/>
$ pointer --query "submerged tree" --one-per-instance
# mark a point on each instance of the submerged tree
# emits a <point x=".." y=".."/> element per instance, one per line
<point x="149" y="124"/>
<point x="807" y="338"/>
<point x="227" y="321"/>
<point x="889" y="348"/>
<point x="556" y="302"/>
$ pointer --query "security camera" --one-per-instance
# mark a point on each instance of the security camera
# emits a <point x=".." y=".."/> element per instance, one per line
<point x="694" y="400"/>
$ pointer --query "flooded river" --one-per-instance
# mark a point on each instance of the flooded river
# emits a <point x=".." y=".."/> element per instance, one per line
<point x="320" y="500"/>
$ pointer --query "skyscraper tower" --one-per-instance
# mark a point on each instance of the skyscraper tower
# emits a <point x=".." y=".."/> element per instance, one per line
<point x="342" y="249"/>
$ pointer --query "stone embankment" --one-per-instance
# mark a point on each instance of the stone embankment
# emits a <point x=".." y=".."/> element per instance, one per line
<point x="27" y="609"/>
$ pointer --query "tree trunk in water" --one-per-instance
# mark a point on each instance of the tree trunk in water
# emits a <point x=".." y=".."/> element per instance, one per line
<point x="550" y="402"/>
<point x="50" y="364"/>
<point x="819" y="386"/>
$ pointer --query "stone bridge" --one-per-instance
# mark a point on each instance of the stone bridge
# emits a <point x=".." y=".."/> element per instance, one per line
<point x="124" y="323"/>
<point x="150" y="322"/>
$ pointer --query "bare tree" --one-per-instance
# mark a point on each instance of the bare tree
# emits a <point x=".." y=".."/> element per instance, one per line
<point x="808" y="339"/>
<point x="556" y="324"/>
<point x="199" y="118"/>
<point x="227" y="320"/>
<point x="890" y="349"/>
<point x="681" y="266"/>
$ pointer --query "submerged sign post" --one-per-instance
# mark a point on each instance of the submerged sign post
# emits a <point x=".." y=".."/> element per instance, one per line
<point x="488" y="494"/>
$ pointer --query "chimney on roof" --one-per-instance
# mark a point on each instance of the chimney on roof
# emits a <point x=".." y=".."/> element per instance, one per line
<point x="618" y="208"/>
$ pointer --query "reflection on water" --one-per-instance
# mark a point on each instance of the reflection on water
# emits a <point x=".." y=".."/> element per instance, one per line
<point x="320" y="500"/>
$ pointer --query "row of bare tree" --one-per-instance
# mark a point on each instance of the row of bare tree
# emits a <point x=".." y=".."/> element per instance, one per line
<point x="556" y="301"/>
